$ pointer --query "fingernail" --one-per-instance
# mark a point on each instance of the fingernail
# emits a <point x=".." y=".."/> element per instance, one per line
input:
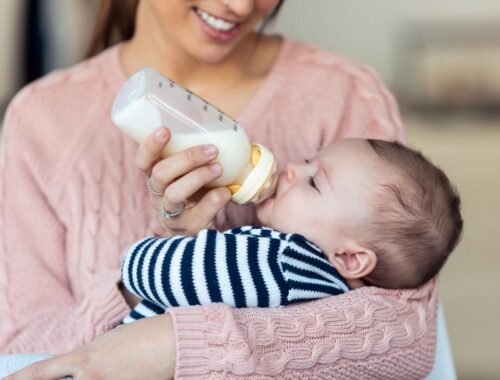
<point x="209" y="150"/>
<point x="216" y="168"/>
<point x="161" y="135"/>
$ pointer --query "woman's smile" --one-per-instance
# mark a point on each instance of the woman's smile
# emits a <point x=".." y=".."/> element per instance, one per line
<point x="222" y="30"/>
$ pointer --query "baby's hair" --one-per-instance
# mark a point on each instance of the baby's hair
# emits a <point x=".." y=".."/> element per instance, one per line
<point x="417" y="219"/>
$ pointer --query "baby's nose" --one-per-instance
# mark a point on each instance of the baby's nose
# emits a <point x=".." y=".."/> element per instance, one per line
<point x="291" y="173"/>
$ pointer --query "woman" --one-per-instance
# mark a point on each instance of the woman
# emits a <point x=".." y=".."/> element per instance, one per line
<point x="72" y="200"/>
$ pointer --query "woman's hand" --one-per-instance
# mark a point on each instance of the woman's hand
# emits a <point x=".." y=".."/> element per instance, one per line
<point x="144" y="349"/>
<point x="176" y="184"/>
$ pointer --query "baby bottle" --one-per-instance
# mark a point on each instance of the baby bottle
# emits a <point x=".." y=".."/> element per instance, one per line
<point x="148" y="101"/>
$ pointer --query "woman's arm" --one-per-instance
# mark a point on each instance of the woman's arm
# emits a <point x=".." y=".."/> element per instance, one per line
<point x="38" y="310"/>
<point x="364" y="334"/>
<point x="140" y="350"/>
<point x="368" y="333"/>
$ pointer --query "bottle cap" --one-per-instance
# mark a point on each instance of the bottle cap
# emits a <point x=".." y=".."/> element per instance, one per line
<point x="261" y="181"/>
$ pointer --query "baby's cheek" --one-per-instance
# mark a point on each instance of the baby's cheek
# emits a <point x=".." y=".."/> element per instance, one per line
<point x="282" y="216"/>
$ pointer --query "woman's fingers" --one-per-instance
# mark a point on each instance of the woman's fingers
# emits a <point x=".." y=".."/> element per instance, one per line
<point x="176" y="184"/>
<point x="189" y="184"/>
<point x="149" y="151"/>
<point x="200" y="216"/>
<point x="211" y="204"/>
<point x="168" y="170"/>
<point x="156" y="227"/>
<point x="54" y="368"/>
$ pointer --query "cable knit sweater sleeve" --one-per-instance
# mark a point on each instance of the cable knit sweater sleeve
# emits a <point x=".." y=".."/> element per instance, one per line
<point x="369" y="333"/>
<point x="37" y="307"/>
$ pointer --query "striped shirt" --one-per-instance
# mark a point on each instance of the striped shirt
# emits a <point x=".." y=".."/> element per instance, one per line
<point x="243" y="267"/>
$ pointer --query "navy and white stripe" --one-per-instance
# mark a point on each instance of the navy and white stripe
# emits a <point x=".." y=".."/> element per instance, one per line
<point x="244" y="267"/>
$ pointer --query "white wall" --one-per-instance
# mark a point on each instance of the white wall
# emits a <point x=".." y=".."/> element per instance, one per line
<point x="365" y="29"/>
<point x="368" y="29"/>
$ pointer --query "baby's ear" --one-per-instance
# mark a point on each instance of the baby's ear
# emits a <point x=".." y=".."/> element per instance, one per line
<point x="353" y="261"/>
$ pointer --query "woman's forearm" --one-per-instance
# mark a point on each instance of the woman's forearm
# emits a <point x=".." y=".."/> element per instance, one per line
<point x="352" y="334"/>
<point x="147" y="347"/>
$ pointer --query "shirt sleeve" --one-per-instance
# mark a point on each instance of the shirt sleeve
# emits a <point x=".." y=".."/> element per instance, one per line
<point x="307" y="273"/>
<point x="143" y="309"/>
<point x="240" y="270"/>
<point x="38" y="310"/>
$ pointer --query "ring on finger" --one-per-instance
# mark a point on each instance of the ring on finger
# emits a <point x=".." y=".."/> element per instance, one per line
<point x="150" y="188"/>
<point x="172" y="214"/>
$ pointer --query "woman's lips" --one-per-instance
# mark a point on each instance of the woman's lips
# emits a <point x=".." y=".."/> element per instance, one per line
<point x="217" y="34"/>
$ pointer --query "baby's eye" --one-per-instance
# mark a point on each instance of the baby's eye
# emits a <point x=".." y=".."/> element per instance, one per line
<point x="312" y="183"/>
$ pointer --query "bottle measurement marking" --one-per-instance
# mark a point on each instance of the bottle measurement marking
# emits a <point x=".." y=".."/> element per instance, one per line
<point x="205" y="104"/>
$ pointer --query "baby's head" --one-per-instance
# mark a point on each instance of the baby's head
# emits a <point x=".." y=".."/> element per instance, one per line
<point x="380" y="212"/>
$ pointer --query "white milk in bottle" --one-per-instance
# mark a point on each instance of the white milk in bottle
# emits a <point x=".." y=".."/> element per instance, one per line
<point x="148" y="101"/>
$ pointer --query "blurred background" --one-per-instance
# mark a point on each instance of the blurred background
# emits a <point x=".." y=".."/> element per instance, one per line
<point x="440" y="59"/>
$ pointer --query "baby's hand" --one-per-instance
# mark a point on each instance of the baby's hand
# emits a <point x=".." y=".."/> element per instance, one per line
<point x="131" y="299"/>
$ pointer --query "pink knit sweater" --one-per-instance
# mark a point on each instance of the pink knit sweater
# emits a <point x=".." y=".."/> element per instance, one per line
<point x="71" y="200"/>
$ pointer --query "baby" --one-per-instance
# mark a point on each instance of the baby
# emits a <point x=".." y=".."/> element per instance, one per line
<point x="361" y="212"/>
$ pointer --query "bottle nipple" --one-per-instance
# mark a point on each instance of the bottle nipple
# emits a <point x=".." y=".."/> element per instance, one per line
<point x="261" y="181"/>
<point x="255" y="160"/>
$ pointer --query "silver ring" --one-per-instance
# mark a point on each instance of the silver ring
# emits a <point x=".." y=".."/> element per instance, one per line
<point x="153" y="191"/>
<point x="172" y="214"/>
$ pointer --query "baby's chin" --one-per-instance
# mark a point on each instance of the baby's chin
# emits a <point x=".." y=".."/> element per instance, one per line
<point x="264" y="211"/>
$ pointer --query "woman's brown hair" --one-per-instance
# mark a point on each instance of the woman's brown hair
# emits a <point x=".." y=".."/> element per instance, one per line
<point x="116" y="22"/>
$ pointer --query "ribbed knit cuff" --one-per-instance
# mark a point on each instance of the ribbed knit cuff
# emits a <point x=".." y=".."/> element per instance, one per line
<point x="107" y="305"/>
<point x="191" y="345"/>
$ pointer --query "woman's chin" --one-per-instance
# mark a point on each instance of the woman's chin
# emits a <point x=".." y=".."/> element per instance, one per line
<point x="212" y="55"/>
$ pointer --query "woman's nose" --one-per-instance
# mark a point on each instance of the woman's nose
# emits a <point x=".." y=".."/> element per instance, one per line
<point x="240" y="7"/>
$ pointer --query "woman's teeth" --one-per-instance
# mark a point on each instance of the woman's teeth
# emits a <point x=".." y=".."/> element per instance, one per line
<point x="215" y="23"/>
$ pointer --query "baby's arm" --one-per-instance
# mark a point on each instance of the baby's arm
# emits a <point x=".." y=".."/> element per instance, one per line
<point x="242" y="268"/>
<point x="143" y="309"/>
<point x="307" y="272"/>
<point x="234" y="268"/>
